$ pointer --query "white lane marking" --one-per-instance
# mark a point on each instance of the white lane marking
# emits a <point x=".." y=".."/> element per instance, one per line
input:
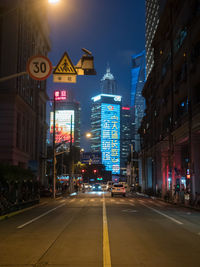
<point x="38" y="217"/>
<point x="163" y="214"/>
<point x="129" y="210"/>
<point x="132" y="204"/>
<point x="106" y="244"/>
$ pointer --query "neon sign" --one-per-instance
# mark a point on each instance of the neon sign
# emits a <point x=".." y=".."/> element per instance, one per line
<point x="110" y="137"/>
<point x="60" y="95"/>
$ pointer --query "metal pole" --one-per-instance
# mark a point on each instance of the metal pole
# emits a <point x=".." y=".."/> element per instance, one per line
<point x="131" y="182"/>
<point x="71" y="154"/>
<point x="54" y="152"/>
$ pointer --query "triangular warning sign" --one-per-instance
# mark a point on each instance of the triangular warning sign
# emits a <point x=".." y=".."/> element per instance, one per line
<point x="65" y="66"/>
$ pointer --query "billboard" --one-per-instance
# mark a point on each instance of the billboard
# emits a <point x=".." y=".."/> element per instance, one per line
<point x="110" y="137"/>
<point x="63" y="125"/>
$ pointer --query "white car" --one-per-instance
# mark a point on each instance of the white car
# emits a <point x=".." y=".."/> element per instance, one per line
<point x="86" y="185"/>
<point x="118" y="189"/>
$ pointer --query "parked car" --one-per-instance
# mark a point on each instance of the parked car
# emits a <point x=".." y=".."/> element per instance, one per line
<point x="118" y="189"/>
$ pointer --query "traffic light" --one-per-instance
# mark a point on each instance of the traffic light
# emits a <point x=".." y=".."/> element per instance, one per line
<point x="83" y="171"/>
<point x="95" y="171"/>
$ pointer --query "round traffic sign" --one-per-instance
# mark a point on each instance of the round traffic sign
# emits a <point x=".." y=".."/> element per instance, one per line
<point x="39" y="67"/>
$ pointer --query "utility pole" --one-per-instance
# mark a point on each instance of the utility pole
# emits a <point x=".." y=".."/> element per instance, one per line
<point x="71" y="155"/>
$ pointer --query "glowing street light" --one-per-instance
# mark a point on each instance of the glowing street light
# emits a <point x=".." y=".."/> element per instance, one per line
<point x="88" y="135"/>
<point x="53" y="1"/>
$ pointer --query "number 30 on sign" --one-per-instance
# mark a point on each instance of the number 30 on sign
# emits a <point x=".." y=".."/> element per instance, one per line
<point x="39" y="67"/>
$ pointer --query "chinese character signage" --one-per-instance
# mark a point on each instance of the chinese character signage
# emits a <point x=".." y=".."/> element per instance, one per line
<point x="60" y="95"/>
<point x="63" y="125"/>
<point x="110" y="137"/>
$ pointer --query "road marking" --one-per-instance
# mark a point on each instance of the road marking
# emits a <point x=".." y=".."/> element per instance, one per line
<point x="37" y="218"/>
<point x="92" y="199"/>
<point x="132" y="204"/>
<point x="129" y="210"/>
<point x="106" y="245"/>
<point x="72" y="200"/>
<point x="163" y="214"/>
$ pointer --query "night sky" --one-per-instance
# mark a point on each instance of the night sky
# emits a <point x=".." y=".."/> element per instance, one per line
<point x="112" y="30"/>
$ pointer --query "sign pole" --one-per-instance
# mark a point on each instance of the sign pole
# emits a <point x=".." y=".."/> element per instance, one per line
<point x="54" y="152"/>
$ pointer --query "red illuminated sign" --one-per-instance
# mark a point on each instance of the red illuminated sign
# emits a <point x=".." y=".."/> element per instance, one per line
<point x="125" y="108"/>
<point x="60" y="95"/>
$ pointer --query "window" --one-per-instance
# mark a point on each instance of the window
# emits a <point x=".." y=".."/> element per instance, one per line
<point x="180" y="37"/>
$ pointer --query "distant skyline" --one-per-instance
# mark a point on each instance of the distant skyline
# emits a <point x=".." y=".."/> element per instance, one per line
<point x="113" y="30"/>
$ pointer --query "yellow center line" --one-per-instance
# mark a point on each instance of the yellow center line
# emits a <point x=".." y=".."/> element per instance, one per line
<point x="106" y="245"/>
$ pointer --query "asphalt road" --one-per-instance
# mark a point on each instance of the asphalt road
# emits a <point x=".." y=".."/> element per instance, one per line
<point x="93" y="229"/>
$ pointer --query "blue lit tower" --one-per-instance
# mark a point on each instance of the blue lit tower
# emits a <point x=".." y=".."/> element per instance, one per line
<point x="108" y="83"/>
<point x="105" y="129"/>
<point x="137" y="101"/>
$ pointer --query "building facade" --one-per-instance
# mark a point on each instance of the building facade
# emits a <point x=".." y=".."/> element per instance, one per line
<point x="125" y="136"/>
<point x="23" y="33"/>
<point x="137" y="100"/>
<point x="105" y="129"/>
<point x="170" y="129"/>
<point x="153" y="10"/>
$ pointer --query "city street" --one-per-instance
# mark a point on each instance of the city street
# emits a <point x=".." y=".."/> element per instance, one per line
<point x="92" y="229"/>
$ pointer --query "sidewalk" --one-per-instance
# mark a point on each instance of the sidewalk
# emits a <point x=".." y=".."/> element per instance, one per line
<point x="170" y="202"/>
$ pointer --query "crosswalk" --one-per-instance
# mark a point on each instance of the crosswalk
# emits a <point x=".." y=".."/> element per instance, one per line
<point x="97" y="201"/>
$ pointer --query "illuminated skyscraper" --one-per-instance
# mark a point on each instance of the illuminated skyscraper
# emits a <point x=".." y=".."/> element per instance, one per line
<point x="153" y="10"/>
<point x="105" y="129"/>
<point x="125" y="136"/>
<point x="137" y="101"/>
<point x="108" y="83"/>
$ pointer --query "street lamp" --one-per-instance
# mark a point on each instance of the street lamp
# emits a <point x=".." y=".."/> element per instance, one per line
<point x="53" y="1"/>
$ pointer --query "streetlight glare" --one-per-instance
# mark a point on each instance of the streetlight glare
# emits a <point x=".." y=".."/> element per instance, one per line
<point x="53" y="1"/>
<point x="88" y="135"/>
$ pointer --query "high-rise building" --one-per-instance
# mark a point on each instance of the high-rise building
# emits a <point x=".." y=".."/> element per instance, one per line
<point x="153" y="11"/>
<point x="67" y="119"/>
<point x="137" y="101"/>
<point x="108" y="83"/>
<point x="139" y="105"/>
<point x="23" y="33"/>
<point x="105" y="129"/>
<point x="125" y="136"/>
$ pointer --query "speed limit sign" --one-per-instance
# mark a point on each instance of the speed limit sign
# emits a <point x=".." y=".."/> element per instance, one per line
<point x="39" y="67"/>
